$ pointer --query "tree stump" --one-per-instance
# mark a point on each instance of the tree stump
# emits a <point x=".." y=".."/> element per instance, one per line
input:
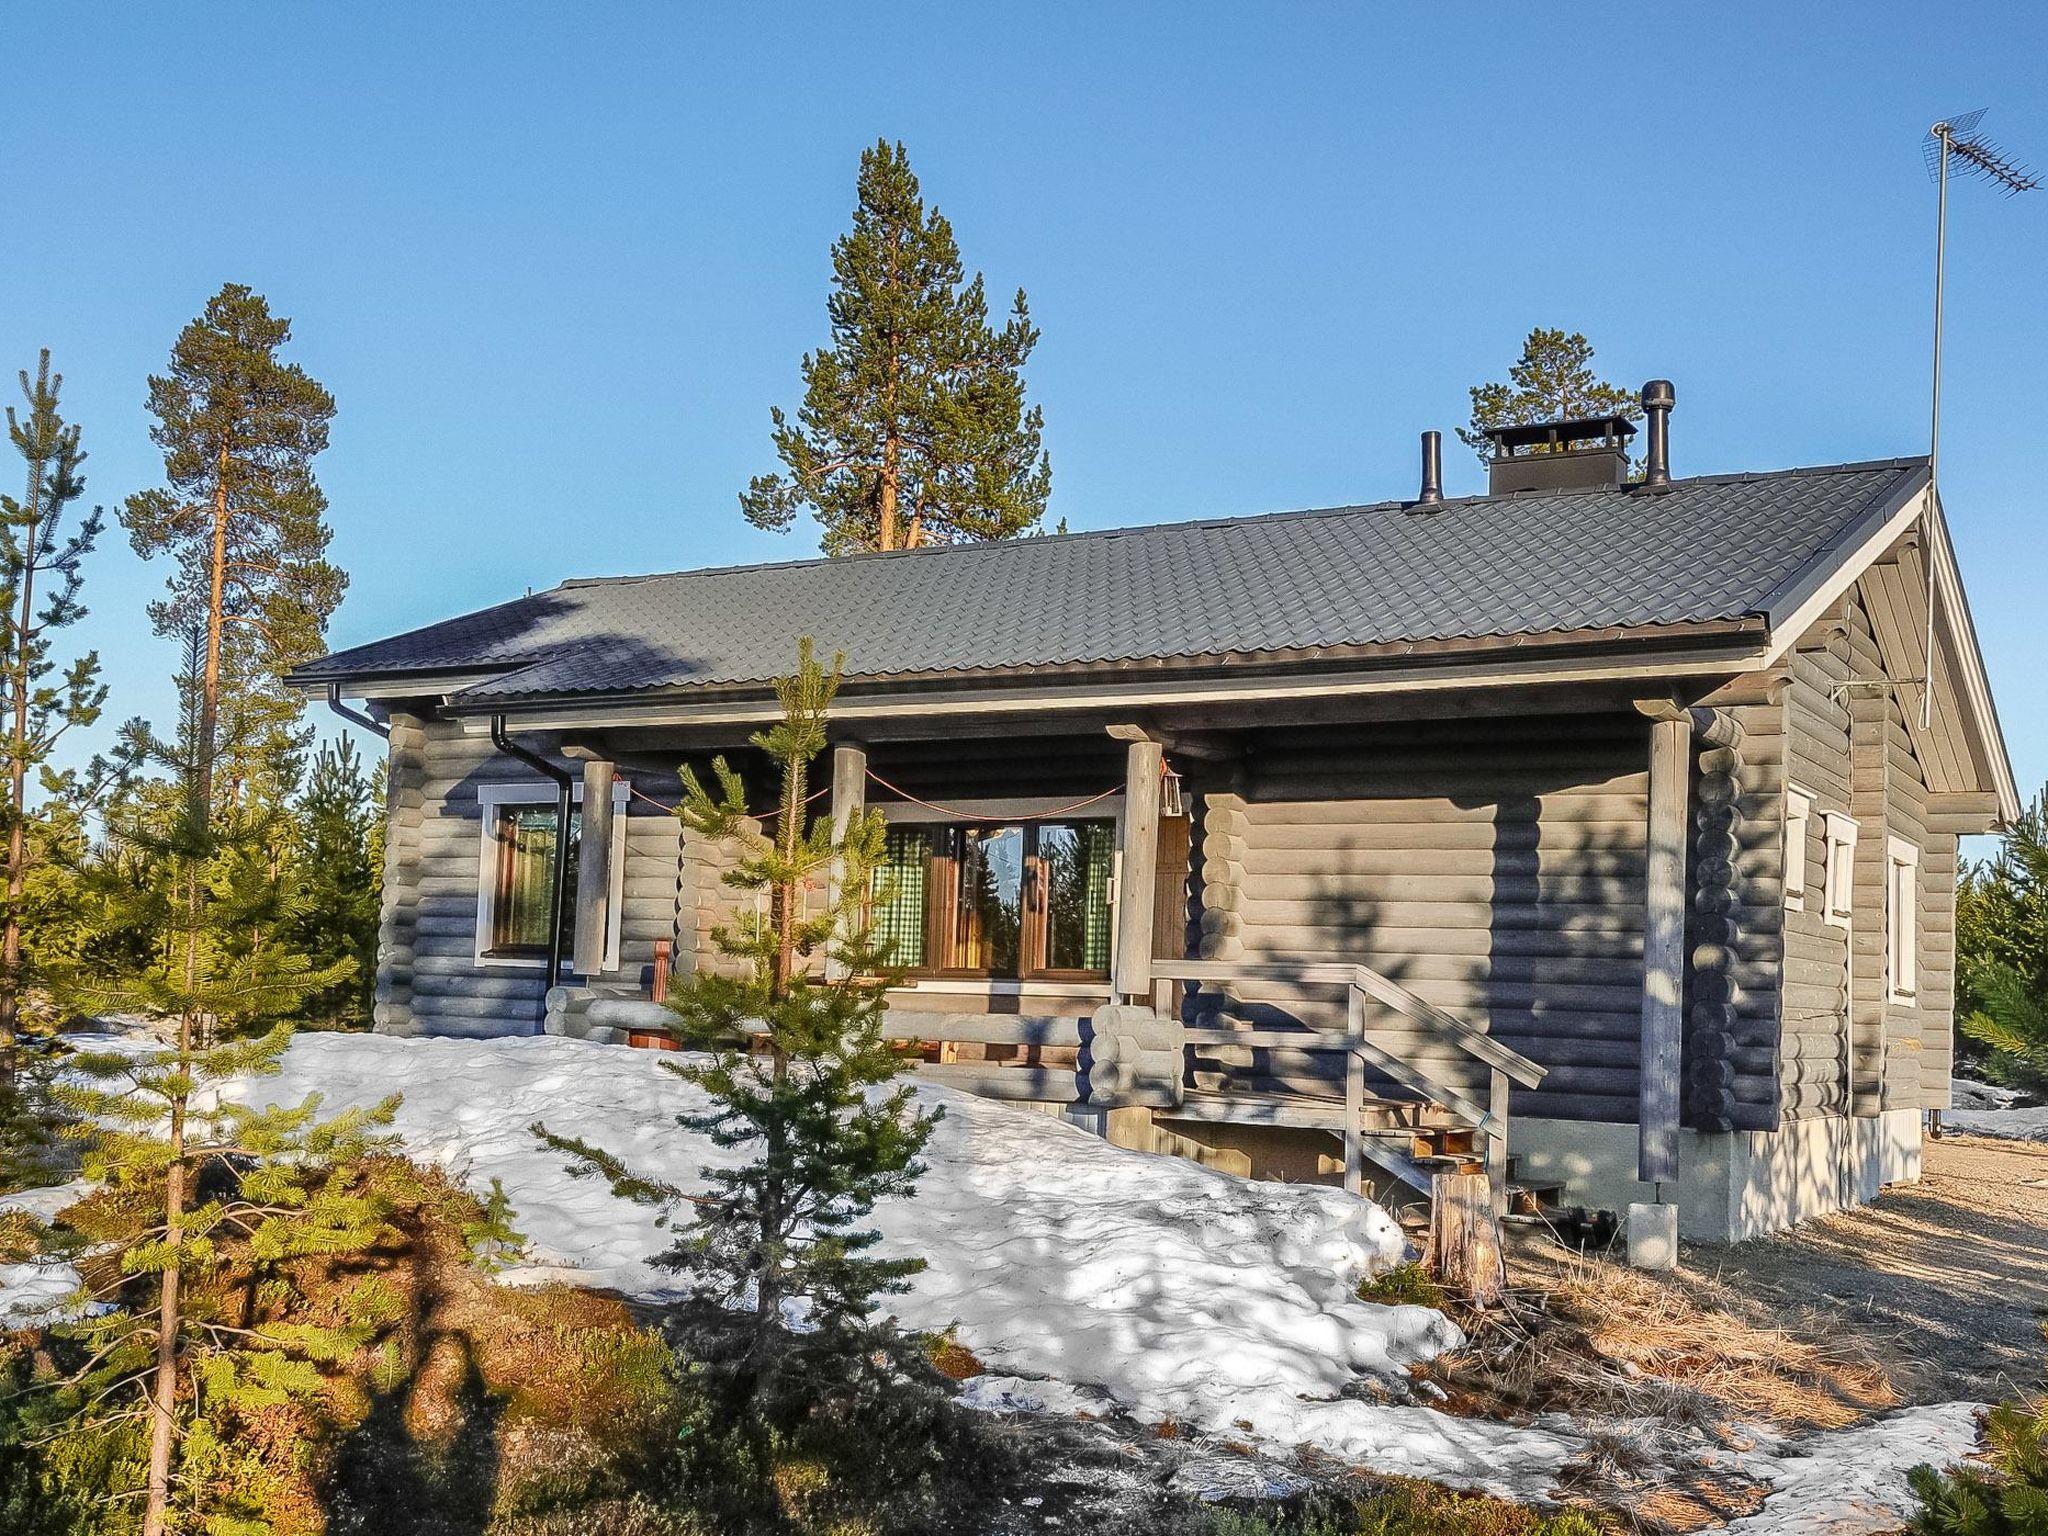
<point x="1464" y="1238"/>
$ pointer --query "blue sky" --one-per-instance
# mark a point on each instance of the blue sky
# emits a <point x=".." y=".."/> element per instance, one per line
<point x="556" y="263"/>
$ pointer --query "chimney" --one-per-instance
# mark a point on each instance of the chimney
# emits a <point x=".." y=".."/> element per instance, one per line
<point x="1657" y="400"/>
<point x="1583" y="454"/>
<point x="1432" y="470"/>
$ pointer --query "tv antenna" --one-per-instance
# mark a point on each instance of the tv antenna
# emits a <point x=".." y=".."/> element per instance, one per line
<point x="1953" y="145"/>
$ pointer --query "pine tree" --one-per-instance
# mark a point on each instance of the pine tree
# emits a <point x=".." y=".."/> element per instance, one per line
<point x="2002" y="951"/>
<point x="913" y="428"/>
<point x="242" y="516"/>
<point x="39" y="582"/>
<point x="190" y="1185"/>
<point x="336" y="860"/>
<point x="1553" y="380"/>
<point x="188" y="1173"/>
<point x="796" y="1061"/>
<point x="2005" y="1496"/>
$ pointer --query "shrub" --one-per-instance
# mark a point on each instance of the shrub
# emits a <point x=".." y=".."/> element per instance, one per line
<point x="2007" y="1497"/>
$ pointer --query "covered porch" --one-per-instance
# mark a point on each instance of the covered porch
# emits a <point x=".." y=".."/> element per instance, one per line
<point x="1343" y="942"/>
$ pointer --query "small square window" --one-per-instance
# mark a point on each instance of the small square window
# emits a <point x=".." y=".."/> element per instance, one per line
<point x="1902" y="920"/>
<point x="1798" y="827"/>
<point x="1839" y="878"/>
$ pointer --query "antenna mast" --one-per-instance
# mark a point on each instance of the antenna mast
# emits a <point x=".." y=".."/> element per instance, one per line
<point x="1957" y="140"/>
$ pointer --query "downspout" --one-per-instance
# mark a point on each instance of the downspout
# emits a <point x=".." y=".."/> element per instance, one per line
<point x="355" y="716"/>
<point x="564" y="803"/>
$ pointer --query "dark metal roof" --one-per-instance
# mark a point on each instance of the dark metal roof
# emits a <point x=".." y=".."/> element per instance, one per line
<point x="1560" y="564"/>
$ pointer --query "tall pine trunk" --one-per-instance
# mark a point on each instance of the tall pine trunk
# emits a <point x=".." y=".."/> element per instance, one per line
<point x="209" y="688"/>
<point x="774" y="1216"/>
<point x="164" y="1393"/>
<point x="163" y="1397"/>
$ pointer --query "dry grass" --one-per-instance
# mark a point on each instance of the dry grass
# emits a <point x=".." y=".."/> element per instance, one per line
<point x="1586" y="1336"/>
<point x="1673" y="1373"/>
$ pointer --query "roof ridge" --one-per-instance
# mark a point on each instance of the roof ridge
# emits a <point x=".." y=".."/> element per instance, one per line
<point x="1228" y="520"/>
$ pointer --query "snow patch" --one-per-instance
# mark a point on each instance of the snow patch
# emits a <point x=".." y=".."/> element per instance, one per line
<point x="2006" y="1124"/>
<point x="1968" y="1093"/>
<point x="1851" y="1482"/>
<point x="1178" y="1292"/>
<point x="36" y="1290"/>
<point x="990" y="1393"/>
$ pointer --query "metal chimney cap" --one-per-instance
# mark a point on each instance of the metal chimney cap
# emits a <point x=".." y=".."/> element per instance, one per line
<point x="1657" y="394"/>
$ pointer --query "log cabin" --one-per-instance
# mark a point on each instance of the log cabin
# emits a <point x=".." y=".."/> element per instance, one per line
<point x="1599" y="832"/>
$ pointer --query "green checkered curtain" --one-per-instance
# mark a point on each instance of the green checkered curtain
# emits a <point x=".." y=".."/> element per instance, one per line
<point x="898" y="891"/>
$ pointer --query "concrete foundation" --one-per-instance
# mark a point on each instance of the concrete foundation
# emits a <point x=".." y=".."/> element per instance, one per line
<point x="1653" y="1236"/>
<point x="1732" y="1186"/>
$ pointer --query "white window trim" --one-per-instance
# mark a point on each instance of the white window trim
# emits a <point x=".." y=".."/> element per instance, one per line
<point x="1838" y="876"/>
<point x="489" y="797"/>
<point x="1902" y="921"/>
<point x="1798" y="828"/>
<point x="1111" y="809"/>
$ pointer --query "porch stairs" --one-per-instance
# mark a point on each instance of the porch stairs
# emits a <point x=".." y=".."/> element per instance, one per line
<point x="1389" y="1110"/>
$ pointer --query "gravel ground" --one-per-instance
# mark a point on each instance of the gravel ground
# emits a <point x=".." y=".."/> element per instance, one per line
<point x="1946" y="1279"/>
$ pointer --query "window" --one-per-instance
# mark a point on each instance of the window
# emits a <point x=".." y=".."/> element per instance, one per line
<point x="1839" y="878"/>
<point x="1013" y="900"/>
<point x="1902" y="920"/>
<point x="523" y="880"/>
<point x="516" y="873"/>
<point x="1798" y="827"/>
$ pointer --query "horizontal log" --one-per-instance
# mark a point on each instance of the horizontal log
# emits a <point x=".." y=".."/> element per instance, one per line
<point x="434" y="983"/>
<point x="1429" y="806"/>
<point x="1544" y="1103"/>
<point x="512" y="1010"/>
<point x="1035" y="1084"/>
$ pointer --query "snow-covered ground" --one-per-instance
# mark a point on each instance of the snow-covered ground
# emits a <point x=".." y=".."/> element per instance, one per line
<point x="1985" y="1109"/>
<point x="1088" y="1278"/>
<point x="1852" y="1482"/>
<point x="1174" y="1291"/>
<point x="32" y="1291"/>
<point x="2008" y="1124"/>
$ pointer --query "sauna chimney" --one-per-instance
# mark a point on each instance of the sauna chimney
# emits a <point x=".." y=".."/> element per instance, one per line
<point x="1586" y="453"/>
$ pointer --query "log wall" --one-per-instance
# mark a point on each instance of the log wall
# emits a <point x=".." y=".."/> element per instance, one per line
<point x="429" y="978"/>
<point x="1495" y="867"/>
<point x="1848" y="1045"/>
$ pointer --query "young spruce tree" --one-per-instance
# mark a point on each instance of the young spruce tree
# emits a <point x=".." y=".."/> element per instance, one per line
<point x="913" y="428"/>
<point x="792" y="1054"/>
<point x="39" y="582"/>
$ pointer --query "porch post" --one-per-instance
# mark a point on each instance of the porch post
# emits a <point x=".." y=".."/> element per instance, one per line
<point x="594" y="868"/>
<point x="1664" y="949"/>
<point x="1134" y="895"/>
<point x="849" y="801"/>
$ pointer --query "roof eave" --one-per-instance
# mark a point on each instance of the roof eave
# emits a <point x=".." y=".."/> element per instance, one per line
<point x="1706" y="648"/>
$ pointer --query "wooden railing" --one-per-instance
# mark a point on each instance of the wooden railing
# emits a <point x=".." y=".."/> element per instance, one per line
<point x="1365" y="988"/>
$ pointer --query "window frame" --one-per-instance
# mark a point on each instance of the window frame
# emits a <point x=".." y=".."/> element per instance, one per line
<point x="491" y="799"/>
<point x="1798" y="831"/>
<point x="1838" y="875"/>
<point x="1902" y="921"/>
<point x="1030" y="812"/>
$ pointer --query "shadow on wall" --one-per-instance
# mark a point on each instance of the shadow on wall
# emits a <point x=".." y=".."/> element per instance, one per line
<point x="1494" y="868"/>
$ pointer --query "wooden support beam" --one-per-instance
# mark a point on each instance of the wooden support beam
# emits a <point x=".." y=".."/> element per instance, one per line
<point x="849" y="801"/>
<point x="1354" y="1094"/>
<point x="594" y="868"/>
<point x="1664" y="949"/>
<point x="1136" y="896"/>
